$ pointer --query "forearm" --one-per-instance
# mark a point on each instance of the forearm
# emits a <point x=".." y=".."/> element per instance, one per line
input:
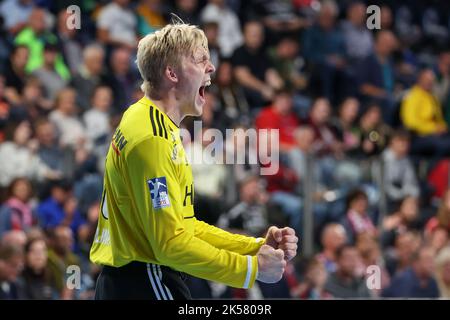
<point x="246" y="79"/>
<point x="372" y="91"/>
<point x="222" y="239"/>
<point x="274" y="79"/>
<point x="187" y="253"/>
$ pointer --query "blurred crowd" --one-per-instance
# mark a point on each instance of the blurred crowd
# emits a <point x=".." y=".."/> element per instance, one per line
<point x="363" y="118"/>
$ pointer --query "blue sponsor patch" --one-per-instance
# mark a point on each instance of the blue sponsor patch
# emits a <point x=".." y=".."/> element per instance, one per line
<point x="159" y="192"/>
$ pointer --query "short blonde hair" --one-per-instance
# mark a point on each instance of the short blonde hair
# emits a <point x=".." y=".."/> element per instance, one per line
<point x="166" y="47"/>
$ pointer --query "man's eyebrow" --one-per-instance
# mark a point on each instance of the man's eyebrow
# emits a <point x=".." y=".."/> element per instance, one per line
<point x="201" y="56"/>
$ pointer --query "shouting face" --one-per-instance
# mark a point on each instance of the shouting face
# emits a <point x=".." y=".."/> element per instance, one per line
<point x="194" y="78"/>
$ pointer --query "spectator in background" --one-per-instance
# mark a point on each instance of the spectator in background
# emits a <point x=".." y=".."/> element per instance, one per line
<point x="51" y="81"/>
<point x="210" y="176"/>
<point x="437" y="240"/>
<point x="252" y="67"/>
<point x="280" y="116"/>
<point x="298" y="161"/>
<point x="120" y="78"/>
<point x="443" y="272"/>
<point x="34" y="36"/>
<point x="230" y="35"/>
<point x="230" y="94"/>
<point x="442" y="217"/>
<point x="282" y="187"/>
<point x="149" y="16"/>
<point x="422" y="114"/>
<point x="357" y="219"/>
<point x="60" y="208"/>
<point x="64" y="117"/>
<point x="15" y="75"/>
<point x="325" y="141"/>
<point x="16" y="213"/>
<point x="399" y="257"/>
<point x="324" y="50"/>
<point x="187" y="10"/>
<point x="34" y="104"/>
<point x="402" y="220"/>
<point x="60" y="256"/>
<point x="346" y="282"/>
<point x="19" y="160"/>
<point x="88" y="76"/>
<point x="441" y="89"/>
<point x="416" y="281"/>
<point x="71" y="46"/>
<point x="116" y="25"/>
<point x="87" y="231"/>
<point x="49" y="151"/>
<point x="345" y="125"/>
<point x="386" y="20"/>
<point x="96" y="119"/>
<point x="332" y="238"/>
<point x="249" y="216"/>
<point x="358" y="38"/>
<point x="399" y="174"/>
<point x="278" y="17"/>
<point x="11" y="264"/>
<point x="16" y="14"/>
<point x="376" y="75"/>
<point x="287" y="62"/>
<point x="240" y="170"/>
<point x="373" y="133"/>
<point x="370" y="252"/>
<point x="14" y="237"/>
<point x="314" y="282"/>
<point x="36" y="276"/>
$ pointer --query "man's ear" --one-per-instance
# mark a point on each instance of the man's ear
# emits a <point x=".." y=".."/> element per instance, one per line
<point x="171" y="74"/>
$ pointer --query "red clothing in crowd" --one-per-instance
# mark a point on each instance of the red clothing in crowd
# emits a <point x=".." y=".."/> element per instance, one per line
<point x="284" y="180"/>
<point x="269" y="119"/>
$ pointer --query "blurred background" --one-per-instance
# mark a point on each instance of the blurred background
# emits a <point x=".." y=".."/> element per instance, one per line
<point x="363" y="116"/>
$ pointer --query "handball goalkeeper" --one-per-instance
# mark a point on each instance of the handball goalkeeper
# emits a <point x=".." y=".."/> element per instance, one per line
<point x="147" y="237"/>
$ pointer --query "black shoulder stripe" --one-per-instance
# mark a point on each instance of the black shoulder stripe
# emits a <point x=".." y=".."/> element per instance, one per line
<point x="158" y="121"/>
<point x="164" y="126"/>
<point x="152" y="119"/>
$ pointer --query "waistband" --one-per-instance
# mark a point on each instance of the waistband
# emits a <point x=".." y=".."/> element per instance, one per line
<point x="138" y="266"/>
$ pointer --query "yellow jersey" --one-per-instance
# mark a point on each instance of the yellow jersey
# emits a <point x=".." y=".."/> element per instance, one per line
<point x="147" y="211"/>
<point x="421" y="112"/>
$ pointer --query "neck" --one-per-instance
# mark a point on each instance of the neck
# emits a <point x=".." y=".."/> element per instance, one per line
<point x="381" y="56"/>
<point x="17" y="70"/>
<point x="48" y="66"/>
<point x="169" y="105"/>
<point x="424" y="88"/>
<point x="344" y="276"/>
<point x="366" y="125"/>
<point x="329" y="253"/>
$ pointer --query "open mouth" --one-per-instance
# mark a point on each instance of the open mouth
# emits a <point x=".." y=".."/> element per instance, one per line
<point x="202" y="89"/>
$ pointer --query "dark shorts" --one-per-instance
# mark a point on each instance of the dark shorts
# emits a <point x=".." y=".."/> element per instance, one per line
<point x="141" y="281"/>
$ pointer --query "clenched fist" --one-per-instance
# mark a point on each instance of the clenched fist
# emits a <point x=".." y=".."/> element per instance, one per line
<point x="271" y="264"/>
<point x="284" y="239"/>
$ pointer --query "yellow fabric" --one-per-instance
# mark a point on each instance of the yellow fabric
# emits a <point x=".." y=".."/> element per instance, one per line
<point x="132" y="227"/>
<point x="152" y="18"/>
<point x="421" y="112"/>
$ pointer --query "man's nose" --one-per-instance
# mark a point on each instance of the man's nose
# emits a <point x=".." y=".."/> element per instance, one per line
<point x="210" y="68"/>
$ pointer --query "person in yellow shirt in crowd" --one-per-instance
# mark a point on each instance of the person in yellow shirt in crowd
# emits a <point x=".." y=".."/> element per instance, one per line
<point x="422" y="114"/>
